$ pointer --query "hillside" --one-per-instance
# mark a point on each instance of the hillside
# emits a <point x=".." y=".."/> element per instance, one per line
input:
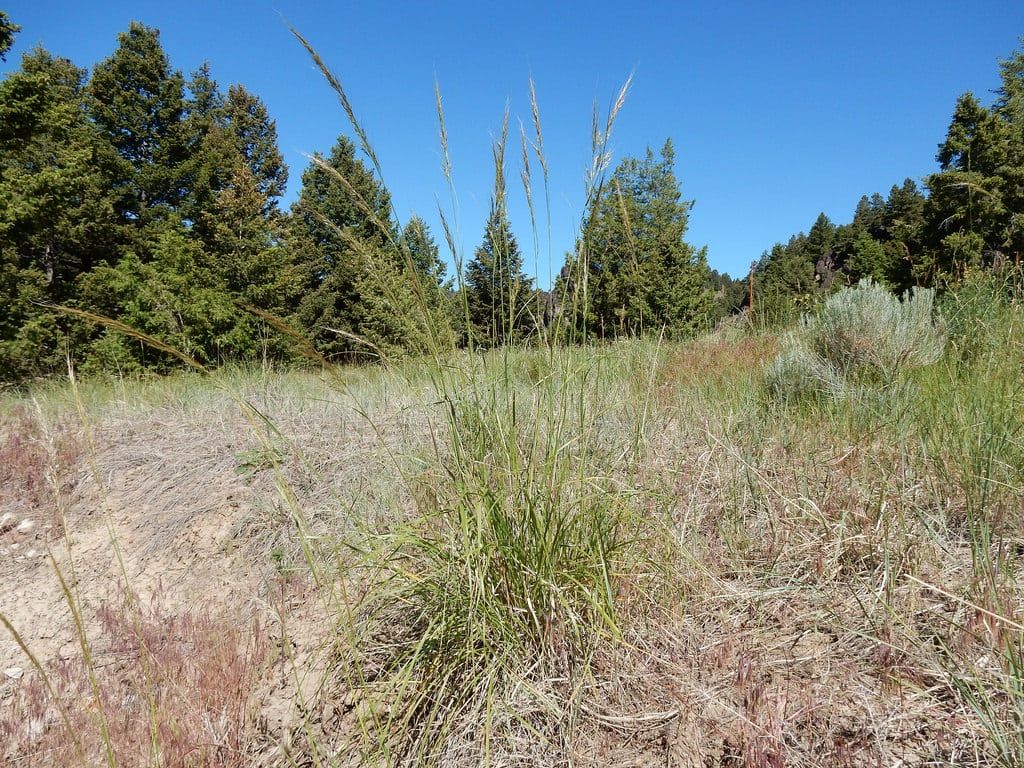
<point x="629" y="554"/>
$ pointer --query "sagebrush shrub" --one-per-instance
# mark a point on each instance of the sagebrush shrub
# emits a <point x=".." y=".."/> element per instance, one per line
<point x="862" y="336"/>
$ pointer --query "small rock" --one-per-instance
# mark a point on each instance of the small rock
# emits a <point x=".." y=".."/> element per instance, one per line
<point x="6" y="522"/>
<point x="25" y="526"/>
<point x="14" y="673"/>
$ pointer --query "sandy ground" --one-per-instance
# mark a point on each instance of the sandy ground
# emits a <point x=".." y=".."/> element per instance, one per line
<point x="133" y="517"/>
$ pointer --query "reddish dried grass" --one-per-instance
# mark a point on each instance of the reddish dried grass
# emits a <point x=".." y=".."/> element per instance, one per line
<point x="174" y="690"/>
<point x="34" y="465"/>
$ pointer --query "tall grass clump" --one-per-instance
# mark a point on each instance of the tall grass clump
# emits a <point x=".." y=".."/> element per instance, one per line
<point x="862" y="336"/>
<point x="485" y="608"/>
<point x="506" y="582"/>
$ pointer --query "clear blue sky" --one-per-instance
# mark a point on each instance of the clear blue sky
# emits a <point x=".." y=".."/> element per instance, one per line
<point x="778" y="110"/>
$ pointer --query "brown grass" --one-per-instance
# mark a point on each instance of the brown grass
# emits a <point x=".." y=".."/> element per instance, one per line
<point x="181" y="681"/>
<point x="802" y="601"/>
<point x="36" y="463"/>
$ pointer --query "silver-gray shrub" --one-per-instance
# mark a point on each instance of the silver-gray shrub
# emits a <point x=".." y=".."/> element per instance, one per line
<point x="863" y="336"/>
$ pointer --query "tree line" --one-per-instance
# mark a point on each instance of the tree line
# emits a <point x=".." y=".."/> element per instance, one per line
<point x="968" y="217"/>
<point x="138" y="205"/>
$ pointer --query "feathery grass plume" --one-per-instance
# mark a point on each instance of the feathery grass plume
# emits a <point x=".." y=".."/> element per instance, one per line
<point x="538" y="146"/>
<point x="346" y="105"/>
<point x="446" y="160"/>
<point x="450" y="223"/>
<point x="538" y="149"/>
<point x="524" y="177"/>
<point x="574" y="294"/>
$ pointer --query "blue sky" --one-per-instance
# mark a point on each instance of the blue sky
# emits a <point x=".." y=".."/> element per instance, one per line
<point x="778" y="110"/>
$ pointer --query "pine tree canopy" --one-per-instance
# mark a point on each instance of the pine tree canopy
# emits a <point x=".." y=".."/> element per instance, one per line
<point x="641" y="275"/>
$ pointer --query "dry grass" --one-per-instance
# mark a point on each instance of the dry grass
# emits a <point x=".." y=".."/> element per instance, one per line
<point x="174" y="689"/>
<point x="36" y="461"/>
<point x="828" y="584"/>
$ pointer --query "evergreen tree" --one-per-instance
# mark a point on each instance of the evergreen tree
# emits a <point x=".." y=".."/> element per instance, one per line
<point x="784" y="280"/>
<point x="211" y="155"/>
<point x="730" y="294"/>
<point x="53" y="208"/>
<point x="172" y="293"/>
<point x="498" y="292"/>
<point x="975" y="141"/>
<point x="1009" y="107"/>
<point x="255" y="137"/>
<point x="966" y="211"/>
<point x="8" y="30"/>
<point x="640" y="272"/>
<point x="820" y="238"/>
<point x="343" y="239"/>
<point x="423" y="253"/>
<point x="56" y="219"/>
<point x="245" y="244"/>
<point x="869" y="258"/>
<point x="902" y="233"/>
<point x="138" y="103"/>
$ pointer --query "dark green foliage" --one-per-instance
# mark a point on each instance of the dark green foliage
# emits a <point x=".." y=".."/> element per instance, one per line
<point x="244" y="243"/>
<point x="969" y="222"/>
<point x="357" y="300"/>
<point x="255" y="138"/>
<point x="223" y="133"/>
<point x="30" y="335"/>
<point x="135" y="195"/>
<point x="138" y="103"/>
<point x="330" y="235"/>
<point x="54" y="210"/>
<point x="423" y="253"/>
<point x="120" y="197"/>
<point x="498" y="292"/>
<point x="56" y="218"/>
<point x="7" y="31"/>
<point x="172" y="294"/>
<point x="639" y="273"/>
<point x="971" y="219"/>
<point x="784" y="281"/>
<point x="730" y="294"/>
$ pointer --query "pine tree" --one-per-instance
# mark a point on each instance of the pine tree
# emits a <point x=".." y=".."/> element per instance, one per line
<point x="968" y="219"/>
<point x="211" y="155"/>
<point x="498" y="292"/>
<point x="171" y="293"/>
<point x="8" y="30"/>
<point x="255" y="136"/>
<point x="423" y="253"/>
<point x="1009" y="108"/>
<point x="56" y="219"/>
<point x="244" y="244"/>
<point x="342" y="235"/>
<point x="53" y="207"/>
<point x="784" y="280"/>
<point x="138" y="103"/>
<point x="820" y="238"/>
<point x="641" y="274"/>
<point x="902" y="233"/>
